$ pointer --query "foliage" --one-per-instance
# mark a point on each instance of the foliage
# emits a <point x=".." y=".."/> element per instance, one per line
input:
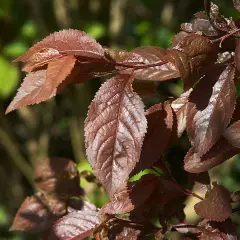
<point x="122" y="139"/>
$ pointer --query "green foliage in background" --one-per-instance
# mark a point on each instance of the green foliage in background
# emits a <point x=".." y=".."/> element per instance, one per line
<point x="9" y="76"/>
<point x="23" y="23"/>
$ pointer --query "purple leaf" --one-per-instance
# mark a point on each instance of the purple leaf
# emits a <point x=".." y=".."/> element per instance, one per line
<point x="58" y="44"/>
<point x="179" y="107"/>
<point x="114" y="132"/>
<point x="41" y="85"/>
<point x="218" y="154"/>
<point x="232" y="134"/>
<point x="36" y="214"/>
<point x="132" y="196"/>
<point x="158" y="136"/>
<point x="78" y="224"/>
<point x="216" y="206"/>
<point x="208" y="117"/>
<point x="158" y="73"/>
<point x="59" y="176"/>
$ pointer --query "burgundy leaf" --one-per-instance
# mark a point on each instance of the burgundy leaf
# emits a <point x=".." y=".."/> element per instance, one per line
<point x="200" y="24"/>
<point x="59" y="176"/>
<point x="166" y="191"/>
<point x="132" y="196"/>
<point x="36" y="215"/>
<point x="216" y="206"/>
<point x="58" y="70"/>
<point x="179" y="107"/>
<point x="29" y="91"/>
<point x="145" y="89"/>
<point x="42" y="85"/>
<point x="84" y="71"/>
<point x="78" y="224"/>
<point x="226" y="229"/>
<point x="79" y="204"/>
<point x="158" y="136"/>
<point x="219" y="21"/>
<point x="236" y="4"/>
<point x="232" y="134"/>
<point x="178" y="38"/>
<point x="237" y="55"/>
<point x="114" y="132"/>
<point x="58" y="44"/>
<point x="194" y="45"/>
<point x="123" y="56"/>
<point x="192" y="56"/>
<point x="208" y="117"/>
<point x="158" y="73"/>
<point x="218" y="230"/>
<point x="123" y="232"/>
<point x="218" y="154"/>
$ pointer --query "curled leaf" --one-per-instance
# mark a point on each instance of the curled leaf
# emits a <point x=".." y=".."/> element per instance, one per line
<point x="158" y="73"/>
<point x="218" y="154"/>
<point x="58" y="44"/>
<point x="122" y="56"/>
<point x="179" y="107"/>
<point x="202" y="24"/>
<point x="218" y="20"/>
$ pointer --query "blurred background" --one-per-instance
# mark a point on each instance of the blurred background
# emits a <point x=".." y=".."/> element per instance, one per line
<point x="55" y="127"/>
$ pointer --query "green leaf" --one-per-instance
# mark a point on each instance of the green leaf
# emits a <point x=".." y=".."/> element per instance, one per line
<point x="139" y="175"/>
<point x="96" y="30"/>
<point x="143" y="27"/>
<point x="15" y="49"/>
<point x="29" y="30"/>
<point x="9" y="76"/>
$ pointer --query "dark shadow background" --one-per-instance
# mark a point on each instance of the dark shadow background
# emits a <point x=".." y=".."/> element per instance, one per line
<point x="55" y="127"/>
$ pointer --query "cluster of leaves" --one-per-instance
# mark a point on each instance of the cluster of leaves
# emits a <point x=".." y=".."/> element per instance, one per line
<point x="123" y="139"/>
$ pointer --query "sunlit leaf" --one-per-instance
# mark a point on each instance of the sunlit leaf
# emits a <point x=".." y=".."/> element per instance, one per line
<point x="216" y="206"/>
<point x="208" y="116"/>
<point x="114" y="131"/>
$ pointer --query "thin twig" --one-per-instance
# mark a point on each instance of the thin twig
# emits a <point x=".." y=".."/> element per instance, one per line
<point x="223" y="38"/>
<point x="156" y="64"/>
<point x="185" y="190"/>
<point x="184" y="226"/>
<point x="126" y="65"/>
